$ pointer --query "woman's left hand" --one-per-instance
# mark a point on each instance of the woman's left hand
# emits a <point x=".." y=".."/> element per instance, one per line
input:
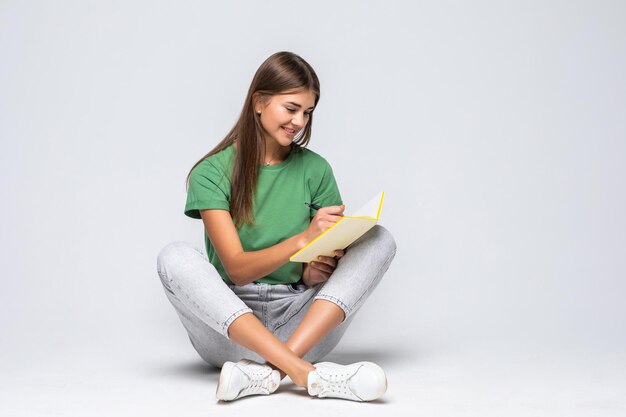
<point x="319" y="271"/>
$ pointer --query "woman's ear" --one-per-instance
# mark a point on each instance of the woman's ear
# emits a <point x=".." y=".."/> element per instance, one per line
<point x="259" y="102"/>
<point x="256" y="102"/>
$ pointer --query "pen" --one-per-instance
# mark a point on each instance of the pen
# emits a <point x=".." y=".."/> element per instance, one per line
<point x="313" y="206"/>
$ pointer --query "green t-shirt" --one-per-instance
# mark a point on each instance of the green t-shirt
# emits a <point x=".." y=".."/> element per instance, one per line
<point x="278" y="208"/>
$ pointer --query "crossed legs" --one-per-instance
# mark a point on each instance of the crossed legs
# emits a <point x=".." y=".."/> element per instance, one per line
<point x="210" y="310"/>
<point x="321" y="318"/>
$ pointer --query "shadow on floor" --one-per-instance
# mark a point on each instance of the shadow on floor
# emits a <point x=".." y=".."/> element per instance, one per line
<point x="380" y="355"/>
<point x="197" y="369"/>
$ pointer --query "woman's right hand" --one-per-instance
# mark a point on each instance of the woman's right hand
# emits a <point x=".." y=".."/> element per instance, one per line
<point x="323" y="219"/>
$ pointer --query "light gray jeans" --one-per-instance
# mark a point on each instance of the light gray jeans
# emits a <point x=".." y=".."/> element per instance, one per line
<point x="206" y="305"/>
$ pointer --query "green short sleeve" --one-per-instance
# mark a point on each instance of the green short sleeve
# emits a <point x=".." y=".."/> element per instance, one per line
<point x="327" y="193"/>
<point x="209" y="188"/>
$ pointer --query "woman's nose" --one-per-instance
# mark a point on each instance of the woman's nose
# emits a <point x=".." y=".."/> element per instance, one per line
<point x="297" y="119"/>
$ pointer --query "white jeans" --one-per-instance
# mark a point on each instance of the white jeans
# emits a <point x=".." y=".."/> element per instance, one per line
<point x="207" y="305"/>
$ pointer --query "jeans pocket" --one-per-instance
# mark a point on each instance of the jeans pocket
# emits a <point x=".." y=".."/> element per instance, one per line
<point x="297" y="288"/>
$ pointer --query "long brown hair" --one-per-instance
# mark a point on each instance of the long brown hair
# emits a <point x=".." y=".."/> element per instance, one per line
<point x="281" y="72"/>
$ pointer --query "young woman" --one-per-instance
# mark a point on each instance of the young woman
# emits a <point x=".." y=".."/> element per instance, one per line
<point x="246" y="308"/>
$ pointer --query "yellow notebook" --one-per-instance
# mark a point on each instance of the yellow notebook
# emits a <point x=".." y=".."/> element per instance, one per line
<point x="343" y="233"/>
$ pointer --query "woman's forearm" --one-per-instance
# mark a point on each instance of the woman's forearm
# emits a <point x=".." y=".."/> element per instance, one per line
<point x="247" y="267"/>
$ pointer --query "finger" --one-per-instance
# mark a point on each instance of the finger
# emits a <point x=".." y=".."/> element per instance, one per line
<point x="332" y="262"/>
<point x="321" y="266"/>
<point x="336" y="210"/>
<point x="339" y="253"/>
<point x="332" y="218"/>
<point x="323" y="223"/>
<point x="326" y="224"/>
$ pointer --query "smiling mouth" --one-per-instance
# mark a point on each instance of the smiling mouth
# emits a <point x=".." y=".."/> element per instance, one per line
<point x="289" y="131"/>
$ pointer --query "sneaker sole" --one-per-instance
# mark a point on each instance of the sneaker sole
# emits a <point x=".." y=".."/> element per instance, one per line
<point x="384" y="375"/>
<point x="224" y="382"/>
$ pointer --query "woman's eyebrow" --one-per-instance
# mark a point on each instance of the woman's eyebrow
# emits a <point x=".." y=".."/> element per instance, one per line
<point x="297" y="105"/>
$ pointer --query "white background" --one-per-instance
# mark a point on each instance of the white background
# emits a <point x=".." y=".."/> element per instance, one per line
<point x="496" y="129"/>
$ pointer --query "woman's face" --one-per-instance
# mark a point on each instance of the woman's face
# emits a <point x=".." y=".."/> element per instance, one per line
<point x="284" y="115"/>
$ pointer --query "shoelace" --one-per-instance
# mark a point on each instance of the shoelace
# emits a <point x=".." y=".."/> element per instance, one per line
<point x="335" y="383"/>
<point x="257" y="382"/>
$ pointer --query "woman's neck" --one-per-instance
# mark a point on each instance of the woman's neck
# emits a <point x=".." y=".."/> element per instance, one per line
<point x="274" y="153"/>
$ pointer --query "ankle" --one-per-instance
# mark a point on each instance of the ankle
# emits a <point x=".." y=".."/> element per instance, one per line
<point x="301" y="374"/>
<point x="280" y="371"/>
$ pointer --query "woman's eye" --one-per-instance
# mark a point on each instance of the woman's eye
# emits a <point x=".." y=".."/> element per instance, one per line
<point x="306" y="114"/>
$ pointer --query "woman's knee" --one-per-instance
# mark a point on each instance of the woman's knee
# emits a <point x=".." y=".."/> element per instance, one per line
<point x="384" y="239"/>
<point x="170" y="256"/>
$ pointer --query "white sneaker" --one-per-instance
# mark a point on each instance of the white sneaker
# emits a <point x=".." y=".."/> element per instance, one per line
<point x="361" y="381"/>
<point x="245" y="378"/>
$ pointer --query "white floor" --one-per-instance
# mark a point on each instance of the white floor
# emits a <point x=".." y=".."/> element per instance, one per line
<point x="171" y="380"/>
